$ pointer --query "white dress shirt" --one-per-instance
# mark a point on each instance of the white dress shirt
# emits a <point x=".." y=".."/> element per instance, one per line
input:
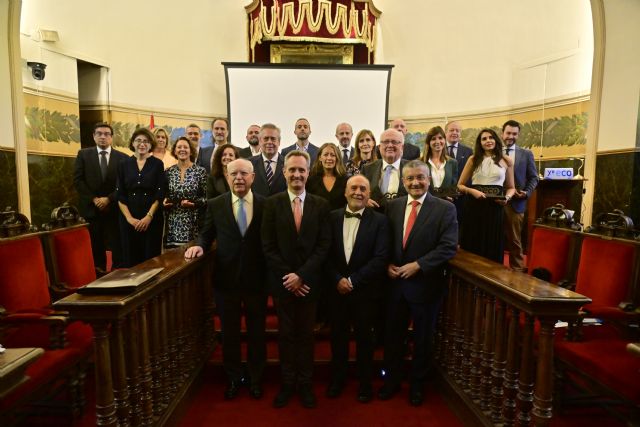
<point x="407" y="210"/>
<point x="248" y="206"/>
<point x="349" y="233"/>
<point x="437" y="174"/>
<point x="301" y="196"/>
<point x="108" y="150"/>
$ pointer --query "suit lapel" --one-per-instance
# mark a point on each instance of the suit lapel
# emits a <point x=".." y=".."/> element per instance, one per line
<point x="338" y="236"/>
<point x="228" y="212"/>
<point x="363" y="231"/>
<point x="307" y="210"/>
<point x="421" y="219"/>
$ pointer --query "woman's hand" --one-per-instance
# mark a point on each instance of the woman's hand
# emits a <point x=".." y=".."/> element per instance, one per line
<point x="477" y="194"/>
<point x="133" y="222"/>
<point x="167" y="203"/>
<point x="187" y="204"/>
<point x="143" y="224"/>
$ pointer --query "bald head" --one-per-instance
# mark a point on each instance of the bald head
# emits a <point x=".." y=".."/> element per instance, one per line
<point x="240" y="176"/>
<point x="344" y="133"/>
<point x="399" y="125"/>
<point x="453" y="132"/>
<point x="357" y="192"/>
<point x="391" y="145"/>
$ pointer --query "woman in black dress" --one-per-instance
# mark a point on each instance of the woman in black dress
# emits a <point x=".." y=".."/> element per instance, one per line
<point x="365" y="152"/>
<point x="328" y="177"/>
<point x="140" y="190"/>
<point x="217" y="181"/>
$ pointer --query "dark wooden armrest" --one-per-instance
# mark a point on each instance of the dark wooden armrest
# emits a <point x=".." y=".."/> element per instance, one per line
<point x="57" y="321"/>
<point x="567" y="285"/>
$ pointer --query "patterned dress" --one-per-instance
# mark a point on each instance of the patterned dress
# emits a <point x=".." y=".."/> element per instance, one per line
<point x="183" y="223"/>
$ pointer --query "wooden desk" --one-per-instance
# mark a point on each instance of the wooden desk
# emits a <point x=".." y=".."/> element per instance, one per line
<point x="13" y="363"/>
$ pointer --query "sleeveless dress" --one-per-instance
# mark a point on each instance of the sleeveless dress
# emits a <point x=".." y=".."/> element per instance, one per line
<point x="482" y="227"/>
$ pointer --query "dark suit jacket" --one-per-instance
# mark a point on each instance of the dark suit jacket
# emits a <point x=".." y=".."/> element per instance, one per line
<point x="87" y="179"/>
<point x="216" y="185"/>
<point x="239" y="260"/>
<point x="373" y="172"/>
<point x="312" y="150"/>
<point x="286" y="251"/>
<point x="462" y="155"/>
<point x="204" y="158"/>
<point x="260" y="184"/>
<point x="526" y="177"/>
<point x="450" y="174"/>
<point x="432" y="243"/>
<point x="246" y="153"/>
<point x="368" y="263"/>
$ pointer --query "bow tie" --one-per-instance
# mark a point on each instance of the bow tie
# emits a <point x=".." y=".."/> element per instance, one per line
<point x="348" y="214"/>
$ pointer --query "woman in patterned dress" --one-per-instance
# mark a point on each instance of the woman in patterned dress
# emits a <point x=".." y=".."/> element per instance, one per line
<point x="365" y="152"/>
<point x="186" y="195"/>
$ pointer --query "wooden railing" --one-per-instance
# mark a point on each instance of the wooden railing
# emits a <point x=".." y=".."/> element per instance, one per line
<point x="494" y="345"/>
<point x="149" y="345"/>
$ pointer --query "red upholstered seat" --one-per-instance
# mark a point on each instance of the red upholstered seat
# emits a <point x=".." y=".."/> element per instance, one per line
<point x="604" y="274"/>
<point x="550" y="250"/>
<point x="23" y="276"/>
<point x="73" y="257"/>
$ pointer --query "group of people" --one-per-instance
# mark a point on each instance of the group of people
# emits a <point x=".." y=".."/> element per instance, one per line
<point x="366" y="230"/>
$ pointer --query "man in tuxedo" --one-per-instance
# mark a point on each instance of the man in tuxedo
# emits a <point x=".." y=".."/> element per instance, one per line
<point x="385" y="174"/>
<point x="344" y="133"/>
<point x="302" y="130"/>
<point x="268" y="165"/>
<point x="460" y="152"/>
<point x="94" y="177"/>
<point x="526" y="180"/>
<point x="234" y="220"/>
<point x="295" y="240"/>
<point x="410" y="151"/>
<point x="253" y="138"/>
<point x="424" y="237"/>
<point x="356" y="267"/>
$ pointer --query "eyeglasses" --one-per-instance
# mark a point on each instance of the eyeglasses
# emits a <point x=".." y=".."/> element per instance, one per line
<point x="390" y="141"/>
<point x="141" y="141"/>
<point x="102" y="133"/>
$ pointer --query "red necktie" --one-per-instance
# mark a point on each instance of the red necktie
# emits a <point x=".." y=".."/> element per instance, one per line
<point x="297" y="212"/>
<point x="412" y="219"/>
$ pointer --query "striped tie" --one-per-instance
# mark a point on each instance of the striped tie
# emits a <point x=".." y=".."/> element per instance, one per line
<point x="269" y="171"/>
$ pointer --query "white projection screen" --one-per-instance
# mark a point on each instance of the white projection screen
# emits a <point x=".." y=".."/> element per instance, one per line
<point x="325" y="95"/>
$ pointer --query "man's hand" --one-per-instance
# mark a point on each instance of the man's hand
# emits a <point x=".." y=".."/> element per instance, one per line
<point x="292" y="282"/>
<point x="101" y="202"/>
<point x="344" y="287"/>
<point x="408" y="270"/>
<point x="302" y="291"/>
<point x="392" y="271"/>
<point x="373" y="204"/>
<point x="193" y="252"/>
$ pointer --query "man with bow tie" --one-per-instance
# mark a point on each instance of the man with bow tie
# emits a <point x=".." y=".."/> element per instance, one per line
<point x="424" y="237"/>
<point x="356" y="269"/>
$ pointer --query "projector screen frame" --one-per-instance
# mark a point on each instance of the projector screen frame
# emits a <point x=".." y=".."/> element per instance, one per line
<point x="377" y="67"/>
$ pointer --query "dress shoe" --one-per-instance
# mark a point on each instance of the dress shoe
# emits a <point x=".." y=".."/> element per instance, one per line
<point x="307" y="397"/>
<point x="335" y="389"/>
<point x="232" y="390"/>
<point x="365" y="393"/>
<point x="416" y="395"/>
<point x="284" y="395"/>
<point x="387" y="391"/>
<point x="255" y="391"/>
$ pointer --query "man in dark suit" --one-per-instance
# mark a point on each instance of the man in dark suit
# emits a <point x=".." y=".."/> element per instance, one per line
<point x="234" y="220"/>
<point x="253" y="138"/>
<point x="94" y="178"/>
<point x="302" y="130"/>
<point x="385" y="174"/>
<point x="410" y="151"/>
<point x="526" y="180"/>
<point x="460" y="152"/>
<point x="268" y="164"/>
<point x="344" y="133"/>
<point x="356" y="268"/>
<point x="424" y="237"/>
<point x="295" y="239"/>
<point x="219" y="136"/>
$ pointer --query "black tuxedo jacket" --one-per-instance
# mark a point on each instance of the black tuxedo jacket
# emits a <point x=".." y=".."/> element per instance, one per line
<point x="462" y="155"/>
<point x="87" y="179"/>
<point x="239" y="259"/>
<point x="409" y="151"/>
<point x="373" y="172"/>
<point x="260" y="184"/>
<point x="286" y="251"/>
<point x="368" y="263"/>
<point x="432" y="243"/>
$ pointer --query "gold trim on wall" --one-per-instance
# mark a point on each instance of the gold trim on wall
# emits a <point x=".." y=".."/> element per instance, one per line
<point x="311" y="54"/>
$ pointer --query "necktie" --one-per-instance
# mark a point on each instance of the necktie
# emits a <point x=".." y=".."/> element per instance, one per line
<point x="410" y="221"/>
<point x="385" y="179"/>
<point x="451" y="154"/>
<point x="508" y="150"/>
<point x="348" y="214"/>
<point x="297" y="212"/>
<point x="345" y="156"/>
<point x="269" y="171"/>
<point x="242" y="217"/>
<point x="103" y="164"/>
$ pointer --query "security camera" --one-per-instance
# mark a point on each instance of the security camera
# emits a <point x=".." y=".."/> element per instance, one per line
<point x="37" y="69"/>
